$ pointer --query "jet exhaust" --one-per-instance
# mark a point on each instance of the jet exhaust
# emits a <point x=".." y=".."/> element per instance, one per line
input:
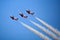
<point x="45" y="30"/>
<point x="49" y="26"/>
<point x="35" y="31"/>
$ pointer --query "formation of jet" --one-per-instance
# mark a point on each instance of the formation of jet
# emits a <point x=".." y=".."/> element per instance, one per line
<point x="22" y="15"/>
<point x="30" y="12"/>
<point x="13" y="18"/>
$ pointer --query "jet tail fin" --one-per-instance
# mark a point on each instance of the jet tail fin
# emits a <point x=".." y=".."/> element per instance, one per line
<point x="32" y="13"/>
<point x="16" y="19"/>
<point x="25" y="16"/>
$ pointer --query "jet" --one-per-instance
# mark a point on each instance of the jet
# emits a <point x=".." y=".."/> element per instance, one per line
<point x="30" y="12"/>
<point x="13" y="18"/>
<point x="22" y="15"/>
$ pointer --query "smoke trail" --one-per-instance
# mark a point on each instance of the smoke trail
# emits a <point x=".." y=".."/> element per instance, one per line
<point x="48" y="26"/>
<point x="45" y="30"/>
<point x="35" y="31"/>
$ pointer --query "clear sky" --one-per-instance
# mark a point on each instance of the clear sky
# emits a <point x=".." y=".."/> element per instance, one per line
<point x="47" y="10"/>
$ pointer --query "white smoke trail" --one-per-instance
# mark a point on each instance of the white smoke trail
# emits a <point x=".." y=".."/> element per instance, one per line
<point x="35" y="31"/>
<point x="49" y="26"/>
<point x="45" y="30"/>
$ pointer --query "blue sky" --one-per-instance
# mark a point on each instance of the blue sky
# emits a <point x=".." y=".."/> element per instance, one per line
<point x="47" y="10"/>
